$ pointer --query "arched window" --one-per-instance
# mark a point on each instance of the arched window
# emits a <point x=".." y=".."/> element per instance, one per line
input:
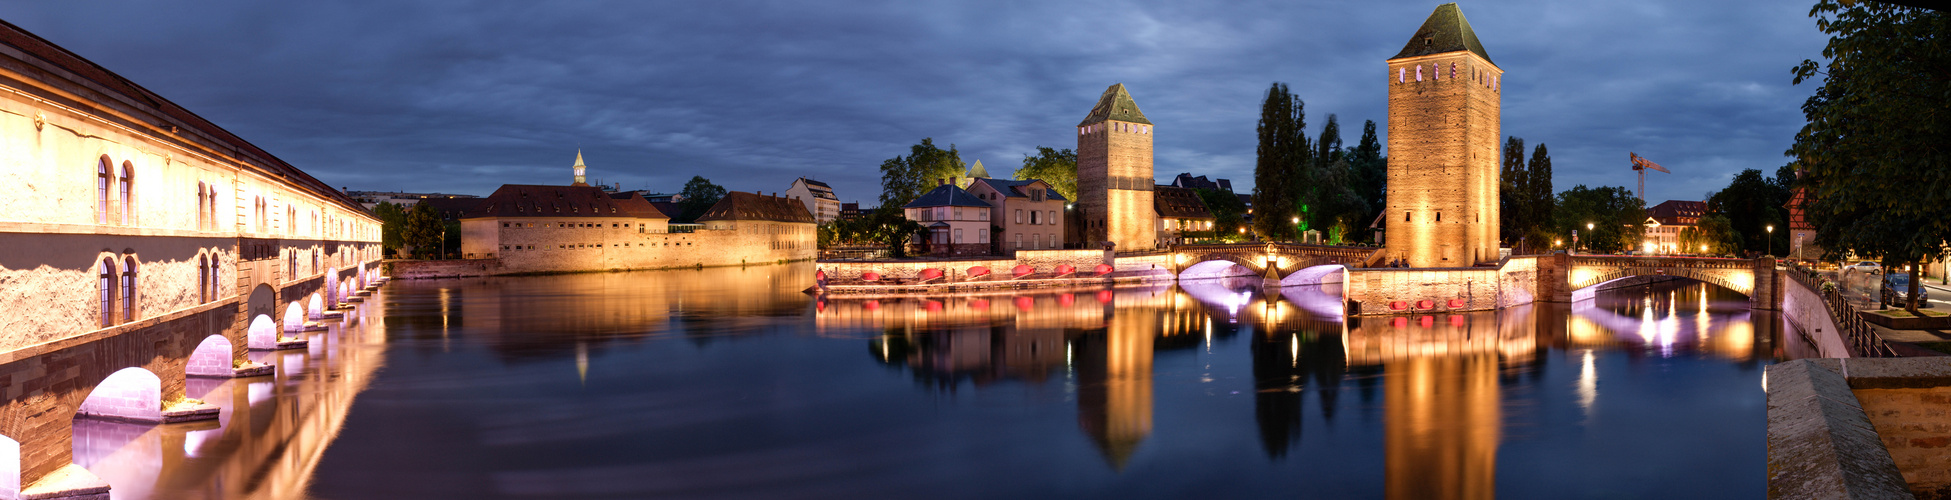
<point x="128" y="194"/>
<point x="1419" y="72"/>
<point x="1452" y="71"/>
<point x="291" y="220"/>
<point x="1402" y="75"/>
<point x="128" y="289"/>
<point x="107" y="286"/>
<point x="104" y="184"/>
<point x="202" y="279"/>
<point x="216" y="276"/>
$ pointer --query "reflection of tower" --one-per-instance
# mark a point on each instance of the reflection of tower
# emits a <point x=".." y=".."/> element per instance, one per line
<point x="1114" y="174"/>
<point x="1444" y="106"/>
<point x="1441" y="427"/>
<point x="580" y="180"/>
<point x="1114" y="394"/>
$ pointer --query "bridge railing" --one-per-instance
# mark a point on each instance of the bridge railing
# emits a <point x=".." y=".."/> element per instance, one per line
<point x="1861" y="340"/>
<point x="1682" y="262"/>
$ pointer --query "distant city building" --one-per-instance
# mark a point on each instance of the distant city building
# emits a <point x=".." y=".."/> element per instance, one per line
<point x="1114" y="174"/>
<point x="664" y="197"/>
<point x="1181" y="211"/>
<point x="818" y="198"/>
<point x="957" y="222"/>
<point x="852" y="211"/>
<point x="1664" y="223"/>
<point x="371" y="199"/>
<point x="451" y="209"/>
<point x="1029" y="212"/>
<point x="580" y="227"/>
<point x="1186" y="180"/>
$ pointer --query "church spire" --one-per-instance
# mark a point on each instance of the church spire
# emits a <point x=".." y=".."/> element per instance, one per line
<point x="580" y="180"/>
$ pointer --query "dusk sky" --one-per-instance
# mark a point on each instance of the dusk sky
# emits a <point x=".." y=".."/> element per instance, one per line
<point x="462" y="97"/>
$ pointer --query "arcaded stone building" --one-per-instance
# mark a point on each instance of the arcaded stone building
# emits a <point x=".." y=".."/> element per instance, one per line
<point x="1114" y="174"/>
<point x="1444" y="107"/>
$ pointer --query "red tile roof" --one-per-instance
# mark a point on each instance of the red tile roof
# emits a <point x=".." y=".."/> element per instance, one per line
<point x="528" y="200"/>
<point x="738" y="205"/>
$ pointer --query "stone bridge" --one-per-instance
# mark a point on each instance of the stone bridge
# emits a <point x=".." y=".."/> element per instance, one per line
<point x="1285" y="263"/>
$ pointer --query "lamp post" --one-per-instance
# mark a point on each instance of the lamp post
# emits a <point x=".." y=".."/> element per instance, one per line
<point x="1771" y="239"/>
<point x="1297" y="229"/>
<point x="1588" y="235"/>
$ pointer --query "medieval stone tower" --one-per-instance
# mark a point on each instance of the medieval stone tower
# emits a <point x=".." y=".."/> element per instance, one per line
<point x="1444" y="106"/>
<point x="1114" y="174"/>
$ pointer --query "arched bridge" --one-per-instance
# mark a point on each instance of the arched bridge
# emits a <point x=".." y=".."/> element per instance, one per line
<point x="1738" y="275"/>
<point x="1275" y="261"/>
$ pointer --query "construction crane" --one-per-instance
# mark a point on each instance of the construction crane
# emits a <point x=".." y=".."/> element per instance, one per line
<point x="1640" y="164"/>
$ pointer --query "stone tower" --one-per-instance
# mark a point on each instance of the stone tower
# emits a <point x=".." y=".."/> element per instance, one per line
<point x="1444" y="102"/>
<point x="580" y="180"/>
<point x="1114" y="174"/>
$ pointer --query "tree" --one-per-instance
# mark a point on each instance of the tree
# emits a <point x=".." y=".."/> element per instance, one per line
<point x="1752" y="203"/>
<point x="1329" y="201"/>
<point x="1514" y="193"/>
<point x="904" y="178"/>
<point x="1544" y="202"/>
<point x="1615" y="216"/>
<point x="1875" y="148"/>
<point x="423" y="231"/>
<point x="1713" y="234"/>
<point x="392" y="220"/>
<point x="1055" y="166"/>
<point x="1370" y="173"/>
<point x="699" y="195"/>
<point x="1281" y="152"/>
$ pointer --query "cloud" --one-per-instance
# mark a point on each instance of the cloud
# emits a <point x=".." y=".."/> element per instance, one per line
<point x="465" y="96"/>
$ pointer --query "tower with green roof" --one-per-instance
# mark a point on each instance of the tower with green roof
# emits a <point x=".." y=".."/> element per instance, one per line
<point x="1444" y="136"/>
<point x="1114" y="174"/>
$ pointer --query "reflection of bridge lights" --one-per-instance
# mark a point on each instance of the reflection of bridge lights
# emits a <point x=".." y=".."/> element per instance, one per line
<point x="1427" y="321"/>
<point x="1294" y="351"/>
<point x="1588" y="384"/>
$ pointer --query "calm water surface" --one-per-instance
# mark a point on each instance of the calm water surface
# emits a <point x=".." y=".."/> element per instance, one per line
<point x="729" y="383"/>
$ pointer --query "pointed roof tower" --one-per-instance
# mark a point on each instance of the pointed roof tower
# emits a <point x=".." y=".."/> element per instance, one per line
<point x="1115" y="104"/>
<point x="1445" y="31"/>
<point x="977" y="172"/>
<point x="580" y="180"/>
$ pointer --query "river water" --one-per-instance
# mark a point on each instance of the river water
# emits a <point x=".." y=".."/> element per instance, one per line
<point x="730" y="383"/>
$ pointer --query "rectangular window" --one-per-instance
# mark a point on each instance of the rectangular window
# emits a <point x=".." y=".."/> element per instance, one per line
<point x="1019" y="241"/>
<point x="958" y="213"/>
<point x="984" y="215"/>
<point x="1052" y="218"/>
<point x="1019" y="216"/>
<point x="958" y="236"/>
<point x="1036" y="241"/>
<point x="1033" y="215"/>
<point x="982" y="236"/>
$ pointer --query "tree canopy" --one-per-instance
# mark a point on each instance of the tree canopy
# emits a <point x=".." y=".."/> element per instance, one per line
<point x="904" y="178"/>
<point x="699" y="195"/>
<point x="1283" y="148"/>
<point x="392" y="225"/>
<point x="1613" y="213"/>
<point x="424" y="231"/>
<point x="1055" y="166"/>
<point x="1876" y="151"/>
<point x="1751" y="204"/>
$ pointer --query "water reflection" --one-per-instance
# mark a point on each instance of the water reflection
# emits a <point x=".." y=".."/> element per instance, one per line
<point x="732" y="383"/>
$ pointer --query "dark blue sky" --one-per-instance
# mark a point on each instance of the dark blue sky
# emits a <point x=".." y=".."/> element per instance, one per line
<point x="465" y="96"/>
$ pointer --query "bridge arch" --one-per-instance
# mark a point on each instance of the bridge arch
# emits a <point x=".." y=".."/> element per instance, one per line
<point x="262" y="302"/>
<point x="132" y="394"/>
<point x="212" y="358"/>
<point x="263" y="333"/>
<point x="294" y="319"/>
<point x="1316" y="275"/>
<point x="9" y="467"/>
<point x="315" y="310"/>
<point x="1218" y="266"/>
<point x="1738" y="281"/>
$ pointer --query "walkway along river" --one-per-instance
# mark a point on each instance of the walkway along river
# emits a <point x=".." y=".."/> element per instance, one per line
<point x="730" y="383"/>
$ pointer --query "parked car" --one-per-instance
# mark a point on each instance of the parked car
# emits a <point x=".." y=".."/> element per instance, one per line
<point x="1896" y="286"/>
<point x="1864" y="267"/>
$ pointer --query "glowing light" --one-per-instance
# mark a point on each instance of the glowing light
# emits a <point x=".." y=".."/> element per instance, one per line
<point x="1588" y="384"/>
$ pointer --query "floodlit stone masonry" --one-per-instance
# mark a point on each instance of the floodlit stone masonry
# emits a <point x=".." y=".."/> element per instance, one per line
<point x="1444" y="146"/>
<point x="1114" y="174"/>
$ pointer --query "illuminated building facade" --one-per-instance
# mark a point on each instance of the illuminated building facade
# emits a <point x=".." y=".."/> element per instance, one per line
<point x="1444" y="107"/>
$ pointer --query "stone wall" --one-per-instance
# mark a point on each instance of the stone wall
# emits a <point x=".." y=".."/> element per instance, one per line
<point x="1859" y="428"/>
<point x="1372" y="291"/>
<point x="422" y="269"/>
<point x="1810" y="318"/>
<point x="1114" y="183"/>
<point x="614" y="248"/>
<point x="1915" y="426"/>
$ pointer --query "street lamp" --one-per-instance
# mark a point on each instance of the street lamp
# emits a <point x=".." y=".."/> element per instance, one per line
<point x="1297" y="229"/>
<point x="1771" y="239"/>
